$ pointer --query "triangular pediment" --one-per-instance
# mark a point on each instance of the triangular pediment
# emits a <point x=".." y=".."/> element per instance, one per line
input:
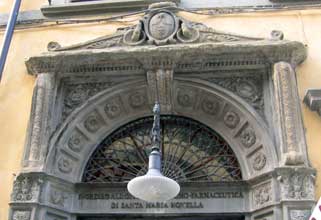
<point x="162" y="39"/>
<point x="161" y="26"/>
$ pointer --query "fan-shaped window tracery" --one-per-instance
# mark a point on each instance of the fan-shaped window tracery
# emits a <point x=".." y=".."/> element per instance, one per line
<point x="191" y="152"/>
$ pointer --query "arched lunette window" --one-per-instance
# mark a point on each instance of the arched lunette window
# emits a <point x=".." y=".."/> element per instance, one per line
<point x="191" y="151"/>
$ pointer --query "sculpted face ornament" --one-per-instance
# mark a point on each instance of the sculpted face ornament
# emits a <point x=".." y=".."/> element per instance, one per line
<point x="162" y="25"/>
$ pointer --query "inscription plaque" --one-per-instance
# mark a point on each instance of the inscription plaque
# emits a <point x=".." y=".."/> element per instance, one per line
<point x="227" y="199"/>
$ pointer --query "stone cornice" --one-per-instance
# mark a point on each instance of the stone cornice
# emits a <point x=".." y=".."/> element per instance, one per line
<point x="312" y="99"/>
<point x="182" y="57"/>
<point x="163" y="40"/>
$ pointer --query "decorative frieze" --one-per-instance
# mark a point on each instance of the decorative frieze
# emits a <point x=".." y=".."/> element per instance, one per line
<point x="39" y="129"/>
<point x="262" y="195"/>
<point x="21" y="215"/>
<point x="26" y="189"/>
<point x="289" y="114"/>
<point x="297" y="186"/>
<point x="299" y="214"/>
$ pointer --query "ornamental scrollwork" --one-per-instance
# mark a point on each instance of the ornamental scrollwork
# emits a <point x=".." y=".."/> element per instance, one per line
<point x="249" y="88"/>
<point x="26" y="189"/>
<point x="77" y="94"/>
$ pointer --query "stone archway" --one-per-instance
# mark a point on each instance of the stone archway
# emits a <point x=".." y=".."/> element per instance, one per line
<point x="243" y="88"/>
<point x="220" y="110"/>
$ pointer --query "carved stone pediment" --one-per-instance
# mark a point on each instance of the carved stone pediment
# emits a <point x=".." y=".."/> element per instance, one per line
<point x="161" y="26"/>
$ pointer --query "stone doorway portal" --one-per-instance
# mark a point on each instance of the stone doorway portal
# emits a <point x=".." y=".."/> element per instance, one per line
<point x="241" y="88"/>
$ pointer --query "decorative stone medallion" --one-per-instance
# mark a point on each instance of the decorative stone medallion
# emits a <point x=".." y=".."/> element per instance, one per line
<point x="259" y="161"/>
<point x="161" y="27"/>
<point x="231" y="119"/>
<point x="64" y="165"/>
<point x="248" y="137"/>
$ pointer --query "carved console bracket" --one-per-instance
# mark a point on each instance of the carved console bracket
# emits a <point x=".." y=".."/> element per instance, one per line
<point x="312" y="99"/>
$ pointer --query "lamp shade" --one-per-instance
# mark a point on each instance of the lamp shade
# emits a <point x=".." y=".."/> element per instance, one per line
<point x="153" y="187"/>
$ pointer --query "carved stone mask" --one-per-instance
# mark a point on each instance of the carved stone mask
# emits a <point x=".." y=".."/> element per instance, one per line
<point x="161" y="25"/>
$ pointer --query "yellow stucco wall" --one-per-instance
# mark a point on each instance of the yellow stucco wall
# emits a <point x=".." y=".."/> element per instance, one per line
<point x="6" y="5"/>
<point x="16" y="86"/>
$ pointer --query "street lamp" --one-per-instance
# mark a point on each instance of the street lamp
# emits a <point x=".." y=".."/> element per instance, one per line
<point x="153" y="186"/>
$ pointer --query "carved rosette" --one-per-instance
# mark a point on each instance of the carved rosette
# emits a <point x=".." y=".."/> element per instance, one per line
<point x="93" y="122"/>
<point x="210" y="105"/>
<point x="26" y="189"/>
<point x="231" y="119"/>
<point x="113" y="108"/>
<point x="77" y="141"/>
<point x="186" y="98"/>
<point x="137" y="99"/>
